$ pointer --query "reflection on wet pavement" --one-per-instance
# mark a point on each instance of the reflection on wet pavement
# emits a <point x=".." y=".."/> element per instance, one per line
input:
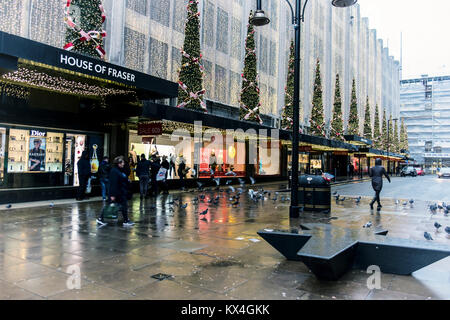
<point x="215" y="256"/>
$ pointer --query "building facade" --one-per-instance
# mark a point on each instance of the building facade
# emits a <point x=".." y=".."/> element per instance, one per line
<point x="425" y="106"/>
<point x="146" y="35"/>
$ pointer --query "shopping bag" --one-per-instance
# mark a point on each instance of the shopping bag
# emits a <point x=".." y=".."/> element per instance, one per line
<point x="111" y="211"/>
<point x="161" y="176"/>
<point x="89" y="186"/>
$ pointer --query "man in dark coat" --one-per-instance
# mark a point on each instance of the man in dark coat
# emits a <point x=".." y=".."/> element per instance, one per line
<point x="376" y="173"/>
<point x="84" y="172"/>
<point x="118" y="190"/>
<point x="154" y="169"/>
<point x="143" y="173"/>
<point x="103" y="174"/>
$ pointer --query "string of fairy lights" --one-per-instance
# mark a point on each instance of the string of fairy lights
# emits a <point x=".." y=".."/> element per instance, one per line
<point x="32" y="78"/>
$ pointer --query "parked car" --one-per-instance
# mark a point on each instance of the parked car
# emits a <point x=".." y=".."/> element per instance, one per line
<point x="408" y="171"/>
<point x="420" y="171"/>
<point x="444" y="172"/>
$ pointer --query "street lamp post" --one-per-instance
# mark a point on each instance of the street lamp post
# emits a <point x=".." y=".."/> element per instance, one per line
<point x="259" y="19"/>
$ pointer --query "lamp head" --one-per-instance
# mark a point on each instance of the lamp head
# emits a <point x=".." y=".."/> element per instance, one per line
<point x="259" y="19"/>
<point x="343" y="3"/>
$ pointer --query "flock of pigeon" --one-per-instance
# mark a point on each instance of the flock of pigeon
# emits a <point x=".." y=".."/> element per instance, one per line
<point x="212" y="196"/>
<point x="434" y="209"/>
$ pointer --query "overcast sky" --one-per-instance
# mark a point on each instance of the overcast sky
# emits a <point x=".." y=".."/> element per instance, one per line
<point x="426" y="29"/>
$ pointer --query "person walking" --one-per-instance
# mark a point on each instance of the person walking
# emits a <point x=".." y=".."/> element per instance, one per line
<point x="172" y="160"/>
<point x="103" y="174"/>
<point x="181" y="170"/>
<point x="166" y="165"/>
<point x="143" y="173"/>
<point x="84" y="172"/>
<point x="118" y="190"/>
<point x="155" y="165"/>
<point x="376" y="173"/>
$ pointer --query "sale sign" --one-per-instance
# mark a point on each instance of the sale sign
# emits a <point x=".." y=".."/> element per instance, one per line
<point x="150" y="129"/>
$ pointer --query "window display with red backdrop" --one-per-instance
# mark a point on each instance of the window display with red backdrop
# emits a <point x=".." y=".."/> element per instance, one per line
<point x="222" y="162"/>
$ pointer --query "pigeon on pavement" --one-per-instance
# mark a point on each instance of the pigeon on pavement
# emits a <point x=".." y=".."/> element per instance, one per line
<point x="437" y="225"/>
<point x="184" y="206"/>
<point x="358" y="200"/>
<point x="8" y="206"/>
<point x="447" y="229"/>
<point x="368" y="224"/>
<point x="204" y="212"/>
<point x="427" y="236"/>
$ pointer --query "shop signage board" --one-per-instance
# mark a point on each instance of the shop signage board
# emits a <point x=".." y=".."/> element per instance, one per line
<point x="13" y="48"/>
<point x="150" y="129"/>
<point x="304" y="148"/>
<point x="340" y="153"/>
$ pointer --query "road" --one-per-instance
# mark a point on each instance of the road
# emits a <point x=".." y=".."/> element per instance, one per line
<point x="427" y="188"/>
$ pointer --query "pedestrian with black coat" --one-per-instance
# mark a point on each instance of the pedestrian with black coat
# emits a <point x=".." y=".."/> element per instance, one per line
<point x="118" y="190"/>
<point x="377" y="173"/>
<point x="143" y="173"/>
<point x="84" y="173"/>
<point x="103" y="174"/>
<point x="181" y="170"/>
<point x="154" y="169"/>
<point x="166" y="165"/>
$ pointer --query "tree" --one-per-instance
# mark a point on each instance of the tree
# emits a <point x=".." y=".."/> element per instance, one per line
<point x="353" y="120"/>
<point x="396" y="140"/>
<point x="190" y="91"/>
<point x="316" y="121"/>
<point x="84" y="33"/>
<point x="376" y="130"/>
<point x="287" y="115"/>
<point x="384" y="136"/>
<point x="367" y="122"/>
<point x="404" y="145"/>
<point x="337" y="124"/>
<point x="250" y="92"/>
<point x="391" y="134"/>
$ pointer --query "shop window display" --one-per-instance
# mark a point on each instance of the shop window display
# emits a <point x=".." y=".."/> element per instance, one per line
<point x="2" y="154"/>
<point x="222" y="162"/>
<point x="268" y="159"/>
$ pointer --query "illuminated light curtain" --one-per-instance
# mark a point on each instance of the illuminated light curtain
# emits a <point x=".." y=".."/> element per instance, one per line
<point x="47" y="22"/>
<point x="134" y="47"/>
<point x="140" y="6"/>
<point x="10" y="16"/>
<point x="158" y="58"/>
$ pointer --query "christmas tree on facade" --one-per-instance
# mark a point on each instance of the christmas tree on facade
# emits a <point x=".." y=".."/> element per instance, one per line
<point x="249" y="101"/>
<point x="287" y="114"/>
<point x="317" y="124"/>
<point x="337" y="124"/>
<point x="190" y="91"/>
<point x="396" y="140"/>
<point x="404" y="146"/>
<point x="391" y="134"/>
<point x="367" y="122"/>
<point x="84" y="34"/>
<point x="376" y="130"/>
<point x="384" y="135"/>
<point x="353" y="119"/>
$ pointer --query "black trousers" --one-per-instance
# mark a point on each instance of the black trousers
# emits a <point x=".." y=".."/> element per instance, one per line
<point x="376" y="198"/>
<point x="81" y="192"/>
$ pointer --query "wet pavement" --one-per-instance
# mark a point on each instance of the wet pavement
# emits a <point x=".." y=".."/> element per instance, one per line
<point x="215" y="256"/>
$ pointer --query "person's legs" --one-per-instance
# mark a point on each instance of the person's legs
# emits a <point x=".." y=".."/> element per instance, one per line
<point x="103" y="184"/>
<point x="377" y="196"/>
<point x="124" y="210"/>
<point x="82" y="187"/>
